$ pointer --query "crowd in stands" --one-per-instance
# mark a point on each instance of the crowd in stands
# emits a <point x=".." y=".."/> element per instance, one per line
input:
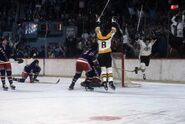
<point x="155" y="16"/>
<point x="54" y="50"/>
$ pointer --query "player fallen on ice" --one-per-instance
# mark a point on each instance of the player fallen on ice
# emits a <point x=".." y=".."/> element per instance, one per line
<point x="85" y="62"/>
<point x="145" y="52"/>
<point x="32" y="70"/>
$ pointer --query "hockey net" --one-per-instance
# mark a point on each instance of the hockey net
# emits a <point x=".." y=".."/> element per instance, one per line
<point x="120" y="74"/>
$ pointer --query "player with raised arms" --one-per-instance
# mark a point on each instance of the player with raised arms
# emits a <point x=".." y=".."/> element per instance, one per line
<point x="145" y="52"/>
<point x="104" y="54"/>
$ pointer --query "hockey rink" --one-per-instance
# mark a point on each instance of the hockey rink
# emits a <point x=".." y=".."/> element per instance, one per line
<point x="38" y="103"/>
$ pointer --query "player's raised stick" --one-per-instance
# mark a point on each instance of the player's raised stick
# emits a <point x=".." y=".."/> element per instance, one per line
<point x="104" y="9"/>
<point x="139" y="17"/>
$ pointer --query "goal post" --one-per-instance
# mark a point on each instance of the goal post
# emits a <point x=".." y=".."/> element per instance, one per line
<point x="120" y="72"/>
<point x="118" y="68"/>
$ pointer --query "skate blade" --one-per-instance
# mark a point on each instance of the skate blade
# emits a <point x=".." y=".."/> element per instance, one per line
<point x="87" y="89"/>
<point x="13" y="88"/>
<point x="5" y="89"/>
<point x="106" y="88"/>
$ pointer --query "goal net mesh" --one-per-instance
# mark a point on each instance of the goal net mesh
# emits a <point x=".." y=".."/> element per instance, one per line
<point x="120" y="74"/>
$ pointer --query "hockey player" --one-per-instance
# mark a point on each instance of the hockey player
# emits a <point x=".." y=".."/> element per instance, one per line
<point x="5" y="65"/>
<point x="104" y="55"/>
<point x="94" y="77"/>
<point x="177" y="32"/>
<point x="145" y="52"/>
<point x="85" y="62"/>
<point x="32" y="70"/>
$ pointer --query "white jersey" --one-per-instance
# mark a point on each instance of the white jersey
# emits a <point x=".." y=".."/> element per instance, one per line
<point x="145" y="49"/>
<point x="177" y="28"/>
<point x="104" y="42"/>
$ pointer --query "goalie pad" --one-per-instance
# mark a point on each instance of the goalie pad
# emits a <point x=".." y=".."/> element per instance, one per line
<point x="93" y="82"/>
<point x="96" y="80"/>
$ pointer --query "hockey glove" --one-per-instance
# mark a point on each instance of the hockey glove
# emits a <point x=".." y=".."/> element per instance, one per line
<point x="98" y="22"/>
<point x="19" y="60"/>
<point x="114" y="22"/>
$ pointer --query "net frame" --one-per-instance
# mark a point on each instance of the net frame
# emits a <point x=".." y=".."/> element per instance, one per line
<point x="118" y="68"/>
<point x="120" y="73"/>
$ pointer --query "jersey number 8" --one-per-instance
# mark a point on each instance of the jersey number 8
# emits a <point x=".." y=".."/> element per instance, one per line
<point x="103" y="44"/>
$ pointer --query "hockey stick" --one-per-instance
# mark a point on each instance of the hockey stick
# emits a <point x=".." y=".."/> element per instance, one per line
<point x="103" y="9"/>
<point x="42" y="82"/>
<point x="12" y="61"/>
<point x="49" y="82"/>
<point x="125" y="69"/>
<point x="6" y="76"/>
<point x="130" y="70"/>
<point x="139" y="17"/>
<point x="2" y="62"/>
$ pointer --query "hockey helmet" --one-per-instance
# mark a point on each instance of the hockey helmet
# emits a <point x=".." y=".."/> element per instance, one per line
<point x="36" y="61"/>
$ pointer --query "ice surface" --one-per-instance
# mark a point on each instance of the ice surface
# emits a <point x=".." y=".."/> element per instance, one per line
<point x="152" y="103"/>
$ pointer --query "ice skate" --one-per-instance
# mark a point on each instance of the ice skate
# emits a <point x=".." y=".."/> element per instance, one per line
<point x="83" y="84"/>
<point x="15" y="79"/>
<point x="12" y="86"/>
<point x="104" y="84"/>
<point x="144" y="77"/>
<point x="5" y="87"/>
<point x="136" y="70"/>
<point x="36" y="80"/>
<point x="111" y="85"/>
<point x="71" y="87"/>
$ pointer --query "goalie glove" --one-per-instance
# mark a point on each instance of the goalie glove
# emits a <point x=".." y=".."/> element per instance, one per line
<point x="19" y="60"/>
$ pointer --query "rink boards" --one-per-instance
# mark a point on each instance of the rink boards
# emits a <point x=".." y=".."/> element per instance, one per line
<point x="159" y="69"/>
